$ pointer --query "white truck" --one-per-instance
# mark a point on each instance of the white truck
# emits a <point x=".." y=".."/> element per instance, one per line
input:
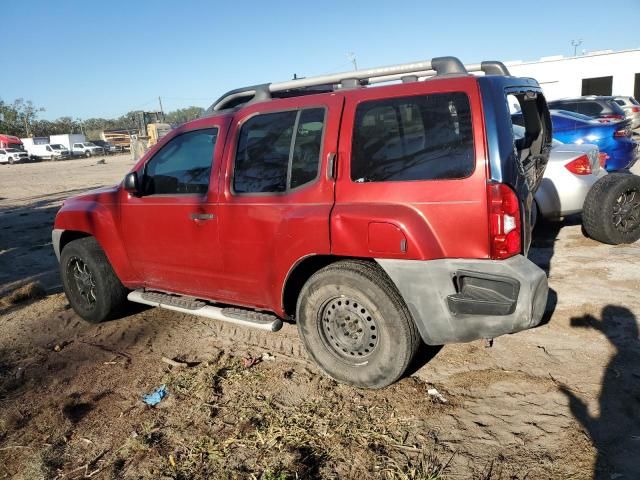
<point x="77" y="144"/>
<point x="40" y="148"/>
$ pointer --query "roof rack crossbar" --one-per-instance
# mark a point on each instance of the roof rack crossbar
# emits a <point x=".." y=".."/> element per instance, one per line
<point x="427" y="68"/>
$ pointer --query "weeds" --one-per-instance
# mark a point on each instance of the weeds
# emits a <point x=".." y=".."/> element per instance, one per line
<point x="259" y="435"/>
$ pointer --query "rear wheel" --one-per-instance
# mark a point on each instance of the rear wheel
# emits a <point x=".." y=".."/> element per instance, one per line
<point x="355" y="324"/>
<point x="92" y="288"/>
<point x="611" y="212"/>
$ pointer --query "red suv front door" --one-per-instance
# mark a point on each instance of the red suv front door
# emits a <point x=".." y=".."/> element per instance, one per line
<point x="170" y="230"/>
<point x="277" y="195"/>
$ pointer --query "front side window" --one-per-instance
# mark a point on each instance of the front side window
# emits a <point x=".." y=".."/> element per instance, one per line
<point x="182" y="166"/>
<point x="426" y="137"/>
<point x="278" y="151"/>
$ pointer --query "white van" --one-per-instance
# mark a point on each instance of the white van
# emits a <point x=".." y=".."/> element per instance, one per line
<point x="45" y="150"/>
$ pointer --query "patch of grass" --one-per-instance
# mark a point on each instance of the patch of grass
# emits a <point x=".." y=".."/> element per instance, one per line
<point x="269" y="475"/>
<point x="258" y="436"/>
<point x="30" y="291"/>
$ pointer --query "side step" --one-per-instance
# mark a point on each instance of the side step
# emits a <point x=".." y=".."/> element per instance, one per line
<point x="193" y="306"/>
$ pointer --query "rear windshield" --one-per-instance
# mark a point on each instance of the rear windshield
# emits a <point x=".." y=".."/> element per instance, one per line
<point x="425" y="137"/>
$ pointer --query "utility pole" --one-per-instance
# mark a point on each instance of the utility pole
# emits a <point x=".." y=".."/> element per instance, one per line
<point x="160" y="102"/>
<point x="576" y="44"/>
<point x="352" y="57"/>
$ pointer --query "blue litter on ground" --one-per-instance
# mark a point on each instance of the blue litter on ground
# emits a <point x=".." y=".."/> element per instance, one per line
<point x="156" y="396"/>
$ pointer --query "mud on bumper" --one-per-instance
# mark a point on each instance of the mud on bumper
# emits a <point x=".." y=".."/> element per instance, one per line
<point x="459" y="300"/>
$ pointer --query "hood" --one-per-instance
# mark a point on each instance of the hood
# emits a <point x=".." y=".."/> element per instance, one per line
<point x="102" y="194"/>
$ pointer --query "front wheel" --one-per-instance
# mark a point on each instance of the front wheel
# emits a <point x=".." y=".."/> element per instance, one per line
<point x="92" y="288"/>
<point x="87" y="154"/>
<point x="355" y="324"/>
<point x="611" y="212"/>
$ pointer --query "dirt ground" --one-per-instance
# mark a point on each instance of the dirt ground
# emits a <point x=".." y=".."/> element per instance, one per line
<point x="559" y="401"/>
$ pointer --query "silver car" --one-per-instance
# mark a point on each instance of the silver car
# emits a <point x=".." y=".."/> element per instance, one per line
<point x="571" y="172"/>
<point x="631" y="109"/>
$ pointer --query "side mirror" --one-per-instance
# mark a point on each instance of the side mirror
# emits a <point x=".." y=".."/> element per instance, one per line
<point x="131" y="183"/>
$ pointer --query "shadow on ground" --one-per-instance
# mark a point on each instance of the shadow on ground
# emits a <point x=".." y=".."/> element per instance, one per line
<point x="26" y="253"/>
<point x="615" y="429"/>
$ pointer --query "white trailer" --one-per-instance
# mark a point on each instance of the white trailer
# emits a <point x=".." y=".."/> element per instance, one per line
<point x="68" y="139"/>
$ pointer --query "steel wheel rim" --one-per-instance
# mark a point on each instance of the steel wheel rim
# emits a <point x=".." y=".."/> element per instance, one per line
<point x="83" y="281"/>
<point x="626" y="211"/>
<point x="348" y="329"/>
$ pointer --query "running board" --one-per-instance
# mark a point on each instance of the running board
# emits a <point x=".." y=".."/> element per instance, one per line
<point x="237" y="316"/>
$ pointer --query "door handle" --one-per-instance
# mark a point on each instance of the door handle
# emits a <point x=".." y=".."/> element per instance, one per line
<point x="202" y="216"/>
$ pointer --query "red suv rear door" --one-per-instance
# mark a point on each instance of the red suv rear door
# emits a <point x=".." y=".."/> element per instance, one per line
<point x="277" y="194"/>
<point x="412" y="172"/>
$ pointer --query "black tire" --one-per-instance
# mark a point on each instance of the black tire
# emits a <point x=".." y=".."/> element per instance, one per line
<point x="375" y="336"/>
<point x="87" y="154"/>
<point x="611" y="212"/>
<point x="92" y="288"/>
<point x="536" y="216"/>
<point x="11" y="161"/>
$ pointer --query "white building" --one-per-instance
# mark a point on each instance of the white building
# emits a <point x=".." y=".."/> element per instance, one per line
<point x="594" y="73"/>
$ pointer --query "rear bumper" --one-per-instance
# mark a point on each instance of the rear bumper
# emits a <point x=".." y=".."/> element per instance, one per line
<point x="460" y="300"/>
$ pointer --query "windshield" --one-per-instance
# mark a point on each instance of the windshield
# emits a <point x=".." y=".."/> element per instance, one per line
<point x="89" y="144"/>
<point x="13" y="150"/>
<point x="634" y="101"/>
<point x="57" y="146"/>
<point x="15" y="145"/>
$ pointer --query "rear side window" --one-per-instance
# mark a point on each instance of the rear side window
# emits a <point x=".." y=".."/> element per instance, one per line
<point x="426" y="137"/>
<point x="278" y="151"/>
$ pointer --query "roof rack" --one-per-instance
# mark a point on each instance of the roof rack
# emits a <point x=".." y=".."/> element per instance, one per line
<point x="438" y="66"/>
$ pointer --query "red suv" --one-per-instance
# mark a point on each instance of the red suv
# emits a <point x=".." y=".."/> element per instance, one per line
<point x="374" y="216"/>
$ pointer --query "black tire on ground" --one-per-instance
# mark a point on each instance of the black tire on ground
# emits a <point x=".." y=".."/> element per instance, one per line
<point x="92" y="288"/>
<point x="355" y="325"/>
<point x="87" y="154"/>
<point x="536" y="216"/>
<point x="611" y="212"/>
<point x="11" y="161"/>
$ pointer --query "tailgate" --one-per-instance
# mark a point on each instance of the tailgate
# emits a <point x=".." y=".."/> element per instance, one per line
<point x="517" y="161"/>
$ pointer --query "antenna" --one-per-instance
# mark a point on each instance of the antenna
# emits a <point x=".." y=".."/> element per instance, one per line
<point x="576" y="44"/>
<point x="352" y="59"/>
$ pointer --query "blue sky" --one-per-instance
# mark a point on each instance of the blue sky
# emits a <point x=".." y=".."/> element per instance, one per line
<point x="101" y="59"/>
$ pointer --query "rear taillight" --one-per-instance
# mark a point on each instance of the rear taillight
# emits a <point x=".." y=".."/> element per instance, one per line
<point x="602" y="158"/>
<point x="504" y="221"/>
<point x="580" y="166"/>
<point x="635" y="109"/>
<point x="623" y="132"/>
<point x="613" y="117"/>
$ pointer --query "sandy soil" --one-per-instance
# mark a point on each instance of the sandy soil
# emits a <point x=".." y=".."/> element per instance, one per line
<point x="558" y="401"/>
